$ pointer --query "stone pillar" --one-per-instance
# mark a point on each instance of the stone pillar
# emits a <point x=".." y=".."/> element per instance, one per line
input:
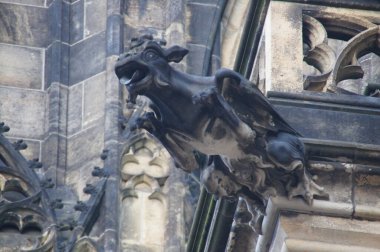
<point x="283" y="48"/>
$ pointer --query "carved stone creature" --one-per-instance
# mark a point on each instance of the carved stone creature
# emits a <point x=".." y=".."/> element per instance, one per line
<point x="250" y="149"/>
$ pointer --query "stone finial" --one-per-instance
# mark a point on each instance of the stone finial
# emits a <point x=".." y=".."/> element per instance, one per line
<point x="89" y="189"/>
<point x="80" y="206"/>
<point x="47" y="183"/>
<point x="3" y="128"/>
<point x="35" y="164"/>
<point x="20" y="145"/>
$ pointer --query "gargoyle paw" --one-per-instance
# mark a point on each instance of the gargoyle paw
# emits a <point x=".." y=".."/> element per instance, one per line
<point x="307" y="188"/>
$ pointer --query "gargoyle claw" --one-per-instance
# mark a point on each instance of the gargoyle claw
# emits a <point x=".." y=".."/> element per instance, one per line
<point x="307" y="188"/>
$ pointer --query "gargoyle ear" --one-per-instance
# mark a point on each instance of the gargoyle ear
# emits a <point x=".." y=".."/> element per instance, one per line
<point x="175" y="53"/>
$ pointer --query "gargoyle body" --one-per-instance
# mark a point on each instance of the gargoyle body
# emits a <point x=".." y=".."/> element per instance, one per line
<point x="250" y="149"/>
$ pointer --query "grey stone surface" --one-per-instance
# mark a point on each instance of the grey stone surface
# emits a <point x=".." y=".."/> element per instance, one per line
<point x="65" y="28"/>
<point x="56" y="63"/>
<point x="24" y="119"/>
<point x="195" y="59"/>
<point x="20" y="66"/>
<point x="367" y="190"/>
<point x="85" y="147"/>
<point x="95" y="18"/>
<point x="40" y="3"/>
<point x="87" y="58"/>
<point x="54" y="152"/>
<point x="145" y="13"/>
<point x="94" y="99"/>
<point x="25" y="25"/>
<point x="201" y="16"/>
<point x="56" y="107"/>
<point x="115" y="35"/>
<point x="330" y="121"/>
<point x="74" y="111"/>
<point x="211" y="2"/>
<point x="337" y="184"/>
<point x="76" y="21"/>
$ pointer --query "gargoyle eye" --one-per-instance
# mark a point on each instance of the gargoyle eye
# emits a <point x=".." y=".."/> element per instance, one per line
<point x="150" y="55"/>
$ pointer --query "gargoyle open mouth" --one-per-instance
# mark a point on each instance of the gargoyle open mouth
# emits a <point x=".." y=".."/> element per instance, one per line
<point x="131" y="73"/>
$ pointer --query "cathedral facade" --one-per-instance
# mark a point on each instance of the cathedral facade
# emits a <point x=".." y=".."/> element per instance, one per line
<point x="75" y="176"/>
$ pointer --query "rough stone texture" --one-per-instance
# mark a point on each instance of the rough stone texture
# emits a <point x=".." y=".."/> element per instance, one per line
<point x="93" y="99"/>
<point x="329" y="122"/>
<point x="231" y="29"/>
<point x="197" y="55"/>
<point x="75" y="108"/>
<point x="25" y="25"/>
<point x="284" y="64"/>
<point x="53" y="156"/>
<point x="40" y="3"/>
<point x="95" y="17"/>
<point x="56" y="64"/>
<point x="337" y="184"/>
<point x="297" y="232"/>
<point x="25" y="121"/>
<point x="201" y="15"/>
<point x="145" y="13"/>
<point x="76" y="21"/>
<point x="84" y="147"/>
<point x="87" y="58"/>
<point x="21" y="66"/>
<point x="367" y="190"/>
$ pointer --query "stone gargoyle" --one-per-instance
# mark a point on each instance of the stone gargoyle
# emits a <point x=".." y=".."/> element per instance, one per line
<point x="250" y="149"/>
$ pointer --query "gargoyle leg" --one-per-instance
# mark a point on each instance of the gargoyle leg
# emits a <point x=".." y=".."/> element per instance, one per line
<point x="306" y="187"/>
<point x="179" y="149"/>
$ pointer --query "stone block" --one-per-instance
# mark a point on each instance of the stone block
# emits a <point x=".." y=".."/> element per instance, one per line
<point x="40" y="3"/>
<point x="115" y="35"/>
<point x="201" y="19"/>
<point x="56" y="107"/>
<point x="55" y="12"/>
<point x="56" y="64"/>
<point x="87" y="58"/>
<point x="21" y="66"/>
<point x="94" y="99"/>
<point x="195" y="59"/>
<point x="96" y="17"/>
<point x="25" y="25"/>
<point x="145" y="13"/>
<point x="76" y="21"/>
<point x="74" y="112"/>
<point x="85" y="147"/>
<point x="65" y="34"/>
<point x="24" y="119"/>
<point x="210" y="2"/>
<point x="53" y="154"/>
<point x="283" y="64"/>
<point x="367" y="190"/>
<point x="337" y="184"/>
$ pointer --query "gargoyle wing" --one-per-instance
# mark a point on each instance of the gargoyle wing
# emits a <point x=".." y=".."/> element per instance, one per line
<point x="251" y="106"/>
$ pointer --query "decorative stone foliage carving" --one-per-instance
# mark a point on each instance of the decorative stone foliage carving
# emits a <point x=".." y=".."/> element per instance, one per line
<point x="317" y="53"/>
<point x="26" y="217"/>
<point x="145" y="168"/>
<point x="361" y="36"/>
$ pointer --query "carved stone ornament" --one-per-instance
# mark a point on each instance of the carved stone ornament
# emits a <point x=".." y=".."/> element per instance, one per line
<point x="221" y="124"/>
<point x="27" y="220"/>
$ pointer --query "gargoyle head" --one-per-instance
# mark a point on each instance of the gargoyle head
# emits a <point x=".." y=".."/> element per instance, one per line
<point x="147" y="64"/>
